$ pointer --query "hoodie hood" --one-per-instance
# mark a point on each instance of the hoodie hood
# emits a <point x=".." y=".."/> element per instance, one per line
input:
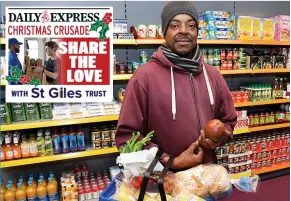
<point x="162" y="60"/>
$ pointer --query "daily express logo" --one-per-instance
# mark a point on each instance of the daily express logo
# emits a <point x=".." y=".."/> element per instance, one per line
<point x="45" y="16"/>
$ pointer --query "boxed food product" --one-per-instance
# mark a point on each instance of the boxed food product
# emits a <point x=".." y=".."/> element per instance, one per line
<point x="282" y="27"/>
<point x="202" y="33"/>
<point x="5" y="113"/>
<point x="244" y="27"/>
<point x="219" y="24"/>
<point x="46" y="110"/>
<point x="268" y="31"/>
<point x="279" y="61"/>
<point x="31" y="110"/>
<point x="213" y="15"/>
<point x="120" y="26"/>
<point x="151" y="31"/>
<point x="17" y="110"/>
<point x="141" y="30"/>
<point x="257" y="28"/>
<point x="221" y="34"/>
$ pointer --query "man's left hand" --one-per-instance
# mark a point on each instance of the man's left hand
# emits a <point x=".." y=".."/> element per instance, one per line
<point x="209" y="144"/>
<point x="38" y="70"/>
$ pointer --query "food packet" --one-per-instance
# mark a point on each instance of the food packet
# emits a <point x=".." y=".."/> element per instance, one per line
<point x="206" y="180"/>
<point x="247" y="184"/>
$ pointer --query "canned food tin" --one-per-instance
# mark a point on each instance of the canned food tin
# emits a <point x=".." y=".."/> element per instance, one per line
<point x="249" y="157"/>
<point x="287" y="158"/>
<point x="254" y="165"/>
<point x="223" y="65"/>
<point x="105" y="143"/>
<point x="259" y="164"/>
<point x="230" y="160"/>
<point x="236" y="169"/>
<point x="242" y="159"/>
<point x="283" y="151"/>
<point x="274" y="161"/>
<point x="288" y="150"/>
<point x="237" y="148"/>
<point x="95" y="135"/>
<point x="96" y="144"/>
<point x="264" y="163"/>
<point x="278" y="160"/>
<point x="230" y="148"/>
<point x="268" y="162"/>
<point x="248" y="167"/>
<point x="255" y="156"/>
<point x="229" y="54"/>
<point x="260" y="156"/>
<point x="242" y="168"/>
<point x="263" y="144"/>
<point x="231" y="170"/>
<point x="283" y="158"/>
<point x="105" y="134"/>
<point x="264" y="154"/>
<point x="236" y="160"/>
<point x="229" y="65"/>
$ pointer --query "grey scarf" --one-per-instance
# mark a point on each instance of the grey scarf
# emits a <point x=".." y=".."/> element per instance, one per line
<point x="192" y="65"/>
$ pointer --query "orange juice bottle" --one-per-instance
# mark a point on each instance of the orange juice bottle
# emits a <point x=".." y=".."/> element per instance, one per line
<point x="2" y="148"/>
<point x="53" y="178"/>
<point x="43" y="179"/>
<point x="41" y="191"/>
<point x="16" y="147"/>
<point x="13" y="186"/>
<point x="33" y="149"/>
<point x="23" y="184"/>
<point x="52" y="190"/>
<point x="25" y="146"/>
<point x="20" y="193"/>
<point x="3" y="189"/>
<point x="33" y="181"/>
<point x="31" y="192"/>
<point x="9" y="194"/>
<point x="8" y="147"/>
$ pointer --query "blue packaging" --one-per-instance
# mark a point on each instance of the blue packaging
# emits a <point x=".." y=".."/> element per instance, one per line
<point x="216" y="15"/>
<point x="56" y="138"/>
<point x="73" y="141"/>
<point x="81" y="140"/>
<point x="65" y="142"/>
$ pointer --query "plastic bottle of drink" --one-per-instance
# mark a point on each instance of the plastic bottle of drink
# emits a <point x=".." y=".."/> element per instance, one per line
<point x="33" y="148"/>
<point x="43" y="179"/>
<point x="53" y="178"/>
<point x="41" y="191"/>
<point x="25" y="146"/>
<point x="81" y="140"/>
<point x="52" y="190"/>
<point x="56" y="142"/>
<point x="73" y="140"/>
<point x="41" y="143"/>
<point x="8" y="149"/>
<point x="48" y="143"/>
<point x="65" y="141"/>
<point x="31" y="192"/>
<point x="33" y="181"/>
<point x="23" y="184"/>
<point x="17" y="153"/>
<point x="9" y="194"/>
<point x="13" y="186"/>
<point x="20" y="193"/>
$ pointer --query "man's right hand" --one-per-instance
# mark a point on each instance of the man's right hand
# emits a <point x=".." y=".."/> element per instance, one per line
<point x="190" y="158"/>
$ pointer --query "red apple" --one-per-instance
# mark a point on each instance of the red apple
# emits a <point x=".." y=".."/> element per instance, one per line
<point x="214" y="130"/>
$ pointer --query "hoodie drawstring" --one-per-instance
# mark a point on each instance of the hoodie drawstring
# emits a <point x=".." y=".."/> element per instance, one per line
<point x="174" y="109"/>
<point x="209" y="89"/>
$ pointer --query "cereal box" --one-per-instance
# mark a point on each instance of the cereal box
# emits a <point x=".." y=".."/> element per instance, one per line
<point x="244" y="27"/>
<point x="268" y="31"/>
<point x="220" y="34"/>
<point x="282" y="28"/>
<point x="257" y="28"/>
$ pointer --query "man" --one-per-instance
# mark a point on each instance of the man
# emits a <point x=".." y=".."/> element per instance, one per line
<point x="176" y="94"/>
<point x="14" y="49"/>
<point x="52" y="67"/>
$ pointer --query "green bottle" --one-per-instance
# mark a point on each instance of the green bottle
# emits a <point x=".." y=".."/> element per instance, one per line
<point x="48" y="143"/>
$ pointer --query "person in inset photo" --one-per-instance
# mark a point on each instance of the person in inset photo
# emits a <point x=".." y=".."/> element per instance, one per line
<point x="14" y="49"/>
<point x="52" y="66"/>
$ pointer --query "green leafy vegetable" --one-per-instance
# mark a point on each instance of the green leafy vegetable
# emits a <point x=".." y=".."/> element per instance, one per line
<point x="132" y="145"/>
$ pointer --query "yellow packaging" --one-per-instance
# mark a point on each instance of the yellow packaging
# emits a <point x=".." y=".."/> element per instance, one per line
<point x="268" y="31"/>
<point x="257" y="28"/>
<point x="244" y="27"/>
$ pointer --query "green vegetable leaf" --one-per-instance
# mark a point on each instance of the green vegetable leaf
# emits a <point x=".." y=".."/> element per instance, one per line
<point x="96" y="25"/>
<point x="102" y="32"/>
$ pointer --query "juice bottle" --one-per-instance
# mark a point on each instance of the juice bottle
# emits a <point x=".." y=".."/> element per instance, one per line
<point x="48" y="143"/>
<point x="52" y="190"/>
<point x="40" y="143"/>
<point x="9" y="194"/>
<point x="13" y="185"/>
<point x="3" y="189"/>
<point x="23" y="184"/>
<point x="8" y="147"/>
<point x="43" y="179"/>
<point x="53" y="178"/>
<point x="33" y="148"/>
<point x="65" y="141"/>
<point x="56" y="142"/>
<point x="41" y="191"/>
<point x="33" y="181"/>
<point x="16" y="147"/>
<point x="2" y="148"/>
<point x="81" y="140"/>
<point x="31" y="192"/>
<point x="20" y="193"/>
<point x="276" y="90"/>
<point x="25" y="147"/>
<point x="73" y="140"/>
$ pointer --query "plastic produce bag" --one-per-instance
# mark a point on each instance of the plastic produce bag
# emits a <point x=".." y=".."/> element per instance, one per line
<point x="247" y="184"/>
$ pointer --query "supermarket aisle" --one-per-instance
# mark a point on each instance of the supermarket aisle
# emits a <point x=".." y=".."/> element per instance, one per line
<point x="277" y="189"/>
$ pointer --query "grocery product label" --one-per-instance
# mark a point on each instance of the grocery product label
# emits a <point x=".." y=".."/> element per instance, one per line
<point x="83" y="41"/>
<point x="244" y="27"/>
<point x="53" y="197"/>
<point x="42" y="198"/>
<point x="32" y="199"/>
<point x="268" y="29"/>
<point x="21" y="200"/>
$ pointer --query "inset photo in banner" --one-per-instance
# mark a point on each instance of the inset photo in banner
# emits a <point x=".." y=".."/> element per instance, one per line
<point x="59" y="54"/>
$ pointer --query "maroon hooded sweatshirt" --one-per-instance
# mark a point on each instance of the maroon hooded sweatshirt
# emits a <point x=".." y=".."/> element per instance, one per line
<point x="174" y="104"/>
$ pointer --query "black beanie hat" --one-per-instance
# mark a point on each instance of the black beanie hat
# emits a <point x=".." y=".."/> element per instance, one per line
<point x="174" y="8"/>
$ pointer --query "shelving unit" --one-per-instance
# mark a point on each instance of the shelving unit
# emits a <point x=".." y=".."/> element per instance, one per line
<point x="266" y="102"/>
<point x="45" y="159"/>
<point x="271" y="169"/>
<point x="52" y="123"/>
<point x="260" y="128"/>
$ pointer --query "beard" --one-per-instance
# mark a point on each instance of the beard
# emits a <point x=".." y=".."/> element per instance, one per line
<point x="17" y="50"/>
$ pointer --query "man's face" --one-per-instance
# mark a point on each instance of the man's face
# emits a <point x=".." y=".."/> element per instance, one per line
<point x="15" y="48"/>
<point x="50" y="51"/>
<point x="181" y="35"/>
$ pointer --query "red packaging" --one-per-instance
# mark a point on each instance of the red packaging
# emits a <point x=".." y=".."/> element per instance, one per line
<point x="84" y="170"/>
<point x="95" y="191"/>
<point x="245" y="97"/>
<point x="248" y="167"/>
<point x="264" y="163"/>
<point x="101" y="187"/>
<point x="223" y="65"/>
<point x="77" y="171"/>
<point x="254" y="165"/>
<point x="259" y="164"/>
<point x="81" y="193"/>
<point x="274" y="161"/>
<point x="88" y="193"/>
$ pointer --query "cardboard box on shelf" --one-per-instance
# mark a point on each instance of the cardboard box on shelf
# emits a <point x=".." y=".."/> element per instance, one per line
<point x="282" y="27"/>
<point x="268" y="31"/>
<point x="257" y="28"/>
<point x="244" y="27"/>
